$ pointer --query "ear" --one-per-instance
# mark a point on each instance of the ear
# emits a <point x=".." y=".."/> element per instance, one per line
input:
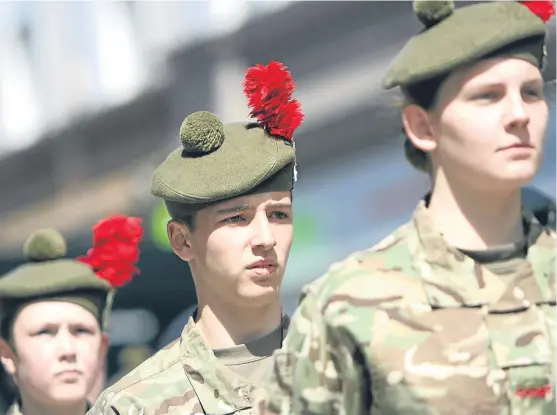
<point x="417" y="125"/>
<point x="7" y="357"/>
<point x="180" y="238"/>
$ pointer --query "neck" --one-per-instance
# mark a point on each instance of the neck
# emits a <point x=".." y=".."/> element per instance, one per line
<point x="476" y="220"/>
<point x="224" y="325"/>
<point x="30" y="407"/>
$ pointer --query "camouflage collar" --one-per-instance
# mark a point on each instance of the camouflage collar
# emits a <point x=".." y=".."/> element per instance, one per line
<point x="454" y="279"/>
<point x="15" y="408"/>
<point x="438" y="251"/>
<point x="219" y="390"/>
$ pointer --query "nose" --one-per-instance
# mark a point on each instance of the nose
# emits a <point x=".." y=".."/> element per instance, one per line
<point x="263" y="236"/>
<point x="517" y="116"/>
<point x="66" y="346"/>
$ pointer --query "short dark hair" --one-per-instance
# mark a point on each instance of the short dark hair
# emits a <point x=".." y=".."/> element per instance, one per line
<point x="6" y="328"/>
<point x="425" y="93"/>
<point x="181" y="213"/>
<point x="188" y="220"/>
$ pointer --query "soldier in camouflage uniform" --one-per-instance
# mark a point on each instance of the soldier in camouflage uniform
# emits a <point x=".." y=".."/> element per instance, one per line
<point x="454" y="312"/>
<point x="228" y="192"/>
<point x="53" y="314"/>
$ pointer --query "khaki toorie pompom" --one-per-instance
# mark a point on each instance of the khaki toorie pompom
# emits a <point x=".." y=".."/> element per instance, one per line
<point x="45" y="245"/>
<point x="432" y="12"/>
<point x="201" y="132"/>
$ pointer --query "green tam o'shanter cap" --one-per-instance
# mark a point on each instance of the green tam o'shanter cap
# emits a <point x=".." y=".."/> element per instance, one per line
<point x="217" y="162"/>
<point x="452" y="38"/>
<point x="87" y="281"/>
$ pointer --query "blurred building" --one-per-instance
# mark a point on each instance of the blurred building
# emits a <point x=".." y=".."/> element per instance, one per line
<point x="93" y="94"/>
<point x="63" y="60"/>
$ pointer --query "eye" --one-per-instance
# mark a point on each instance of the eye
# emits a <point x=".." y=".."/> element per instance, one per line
<point x="45" y="332"/>
<point x="81" y="332"/>
<point x="234" y="219"/>
<point x="486" y="96"/>
<point x="533" y="93"/>
<point x="280" y="215"/>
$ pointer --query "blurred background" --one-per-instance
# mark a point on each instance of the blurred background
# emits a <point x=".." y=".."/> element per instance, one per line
<point x="92" y="95"/>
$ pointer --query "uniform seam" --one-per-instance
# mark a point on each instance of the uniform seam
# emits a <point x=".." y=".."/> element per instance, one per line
<point x="177" y="360"/>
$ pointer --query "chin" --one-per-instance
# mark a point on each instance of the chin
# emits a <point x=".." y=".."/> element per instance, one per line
<point x="69" y="394"/>
<point x="515" y="174"/>
<point x="518" y="178"/>
<point x="256" y="295"/>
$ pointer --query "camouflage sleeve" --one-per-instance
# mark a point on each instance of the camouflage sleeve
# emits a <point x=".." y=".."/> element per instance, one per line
<point x="109" y="403"/>
<point x="315" y="371"/>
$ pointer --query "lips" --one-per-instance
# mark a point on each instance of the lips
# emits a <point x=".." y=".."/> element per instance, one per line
<point x="69" y="372"/>
<point x="267" y="263"/>
<point x="517" y="146"/>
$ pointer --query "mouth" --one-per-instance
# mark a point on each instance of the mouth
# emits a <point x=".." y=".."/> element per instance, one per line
<point x="518" y="147"/>
<point x="263" y="266"/>
<point x="69" y="373"/>
<point x="266" y="263"/>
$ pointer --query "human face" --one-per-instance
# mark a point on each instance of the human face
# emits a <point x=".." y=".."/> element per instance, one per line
<point x="240" y="247"/>
<point x="490" y="123"/>
<point x="59" y="349"/>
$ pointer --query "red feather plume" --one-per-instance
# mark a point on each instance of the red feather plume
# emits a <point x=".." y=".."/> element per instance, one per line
<point x="544" y="9"/>
<point x="115" y="249"/>
<point x="269" y="91"/>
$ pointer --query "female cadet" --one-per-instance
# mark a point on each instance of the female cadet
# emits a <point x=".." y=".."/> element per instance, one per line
<point x="53" y="313"/>
<point x="454" y="313"/>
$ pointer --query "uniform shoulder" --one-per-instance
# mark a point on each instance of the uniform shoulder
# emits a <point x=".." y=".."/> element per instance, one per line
<point x="148" y="387"/>
<point x="156" y="365"/>
<point x="392" y="254"/>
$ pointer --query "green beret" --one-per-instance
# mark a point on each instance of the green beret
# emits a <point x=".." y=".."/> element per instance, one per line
<point x="217" y="162"/>
<point x="247" y="157"/>
<point x="47" y="276"/>
<point x="452" y="38"/>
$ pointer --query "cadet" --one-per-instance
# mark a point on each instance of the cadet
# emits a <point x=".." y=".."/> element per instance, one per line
<point x="228" y="191"/>
<point x="454" y="312"/>
<point x="53" y="312"/>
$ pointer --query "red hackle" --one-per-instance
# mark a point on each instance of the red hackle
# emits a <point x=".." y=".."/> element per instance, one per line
<point x="269" y="91"/>
<point x="544" y="9"/>
<point x="115" y="249"/>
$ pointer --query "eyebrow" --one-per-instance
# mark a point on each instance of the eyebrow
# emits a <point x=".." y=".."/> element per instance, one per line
<point x="495" y="83"/>
<point x="485" y="84"/>
<point x="232" y="209"/>
<point x="243" y="208"/>
<point x="534" y="81"/>
<point x="54" y="324"/>
<point x="280" y="204"/>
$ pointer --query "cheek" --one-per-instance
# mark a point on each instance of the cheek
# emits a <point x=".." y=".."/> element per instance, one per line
<point x="34" y="366"/>
<point x="90" y="352"/>
<point x="465" y="135"/>
<point x="224" y="248"/>
<point x="539" y="119"/>
<point x="89" y="358"/>
<point x="284" y="235"/>
<point x="37" y="355"/>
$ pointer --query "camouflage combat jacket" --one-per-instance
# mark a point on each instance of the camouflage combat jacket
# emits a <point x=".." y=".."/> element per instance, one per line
<point x="413" y="326"/>
<point x="185" y="377"/>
